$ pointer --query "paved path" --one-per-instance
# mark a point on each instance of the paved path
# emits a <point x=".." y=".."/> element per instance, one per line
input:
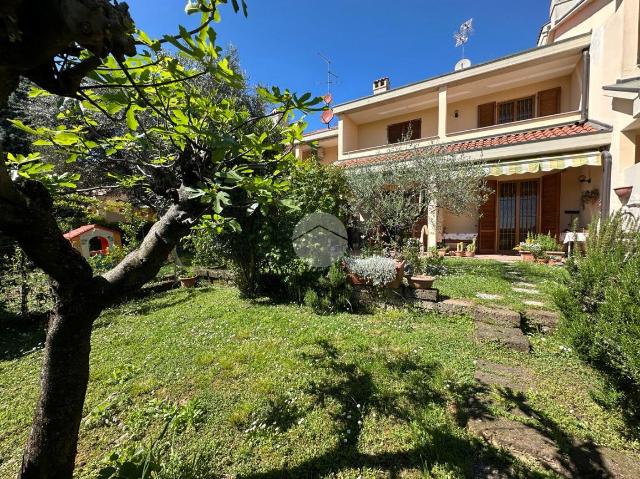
<point x="528" y="434"/>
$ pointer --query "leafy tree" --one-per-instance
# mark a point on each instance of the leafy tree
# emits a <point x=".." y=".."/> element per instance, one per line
<point x="389" y="200"/>
<point x="185" y="147"/>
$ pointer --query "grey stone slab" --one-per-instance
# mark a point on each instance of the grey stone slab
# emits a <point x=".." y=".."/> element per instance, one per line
<point x="499" y="316"/>
<point x="545" y="321"/>
<point x="506" y="336"/>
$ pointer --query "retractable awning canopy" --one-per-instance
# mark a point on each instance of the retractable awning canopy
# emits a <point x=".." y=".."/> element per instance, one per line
<point x="549" y="163"/>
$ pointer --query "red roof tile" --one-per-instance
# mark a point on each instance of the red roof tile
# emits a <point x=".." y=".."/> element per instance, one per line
<point x="84" y="229"/>
<point x="542" y="134"/>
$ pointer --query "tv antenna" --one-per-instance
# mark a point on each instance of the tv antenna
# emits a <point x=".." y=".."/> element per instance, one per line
<point x="328" y="115"/>
<point x="462" y="35"/>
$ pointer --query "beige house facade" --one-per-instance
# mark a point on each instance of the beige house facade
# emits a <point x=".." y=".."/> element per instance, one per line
<point x="557" y="127"/>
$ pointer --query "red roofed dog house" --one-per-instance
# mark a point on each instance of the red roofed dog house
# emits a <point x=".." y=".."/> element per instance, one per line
<point x="93" y="239"/>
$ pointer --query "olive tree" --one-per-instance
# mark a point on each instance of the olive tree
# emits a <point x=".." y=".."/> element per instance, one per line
<point x="391" y="195"/>
<point x="188" y="147"/>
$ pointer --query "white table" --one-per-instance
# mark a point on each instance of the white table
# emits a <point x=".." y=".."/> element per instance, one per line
<point x="571" y="238"/>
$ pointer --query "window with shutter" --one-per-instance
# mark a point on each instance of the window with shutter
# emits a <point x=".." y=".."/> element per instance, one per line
<point x="487" y="114"/>
<point x="516" y="110"/>
<point x="405" y="131"/>
<point x="549" y="102"/>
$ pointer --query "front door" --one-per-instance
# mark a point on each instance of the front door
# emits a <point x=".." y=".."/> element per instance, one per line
<point x="517" y="212"/>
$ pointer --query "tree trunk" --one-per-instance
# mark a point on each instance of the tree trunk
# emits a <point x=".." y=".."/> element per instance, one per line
<point x="51" y="448"/>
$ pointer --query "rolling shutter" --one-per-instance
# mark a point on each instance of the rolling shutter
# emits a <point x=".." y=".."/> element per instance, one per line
<point x="550" y="205"/>
<point x="549" y="102"/>
<point x="487" y="114"/>
<point x="487" y="223"/>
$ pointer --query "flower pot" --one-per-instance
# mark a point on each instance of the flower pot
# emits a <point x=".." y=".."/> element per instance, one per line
<point x="623" y="192"/>
<point x="527" y="256"/>
<point x="421" y="281"/>
<point x="555" y="256"/>
<point x="355" y="280"/>
<point x="442" y="253"/>
<point x="459" y="254"/>
<point x="397" y="282"/>
<point x="188" y="282"/>
<point x="469" y="254"/>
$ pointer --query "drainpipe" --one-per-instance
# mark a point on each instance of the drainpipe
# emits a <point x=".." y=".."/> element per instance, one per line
<point x="605" y="198"/>
<point x="586" y="73"/>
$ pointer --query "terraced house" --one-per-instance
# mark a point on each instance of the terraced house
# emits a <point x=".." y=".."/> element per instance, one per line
<point x="557" y="126"/>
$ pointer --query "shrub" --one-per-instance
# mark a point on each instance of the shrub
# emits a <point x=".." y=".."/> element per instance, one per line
<point x="376" y="270"/>
<point x="601" y="305"/>
<point x="332" y="293"/>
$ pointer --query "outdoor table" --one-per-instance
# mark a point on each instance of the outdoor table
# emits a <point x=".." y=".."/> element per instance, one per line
<point x="571" y="238"/>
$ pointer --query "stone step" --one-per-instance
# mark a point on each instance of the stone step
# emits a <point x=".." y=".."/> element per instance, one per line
<point x="544" y="321"/>
<point x="492" y="374"/>
<point x="579" y="459"/>
<point x="497" y="316"/>
<point x="507" y="336"/>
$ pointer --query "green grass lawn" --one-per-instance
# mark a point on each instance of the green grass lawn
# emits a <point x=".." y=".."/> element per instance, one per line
<point x="256" y="390"/>
<point x="467" y="277"/>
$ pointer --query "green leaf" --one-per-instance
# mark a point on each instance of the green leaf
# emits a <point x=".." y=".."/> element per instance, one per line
<point x="132" y="122"/>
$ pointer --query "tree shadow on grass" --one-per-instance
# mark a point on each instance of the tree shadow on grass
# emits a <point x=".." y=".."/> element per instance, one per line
<point x="19" y="337"/>
<point x="582" y="459"/>
<point x="348" y="390"/>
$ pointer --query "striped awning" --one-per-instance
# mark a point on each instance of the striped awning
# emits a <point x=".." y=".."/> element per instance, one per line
<point x="549" y="163"/>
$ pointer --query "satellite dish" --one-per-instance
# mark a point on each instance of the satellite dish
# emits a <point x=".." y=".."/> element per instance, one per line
<point x="462" y="64"/>
<point x="327" y="116"/>
<point x="328" y="98"/>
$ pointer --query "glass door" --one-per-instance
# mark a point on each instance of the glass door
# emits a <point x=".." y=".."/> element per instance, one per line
<point x="517" y="212"/>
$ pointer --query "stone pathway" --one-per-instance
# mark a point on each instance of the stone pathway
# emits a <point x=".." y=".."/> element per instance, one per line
<point x="526" y="290"/>
<point x="530" y="302"/>
<point x="488" y="296"/>
<point x="528" y="434"/>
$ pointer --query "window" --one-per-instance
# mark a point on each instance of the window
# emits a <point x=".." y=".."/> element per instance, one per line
<point x="405" y="131"/>
<point x="516" y="110"/>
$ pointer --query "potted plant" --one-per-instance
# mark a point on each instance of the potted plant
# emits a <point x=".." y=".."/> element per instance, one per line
<point x="421" y="281"/>
<point x="526" y="249"/>
<point x="188" y="278"/>
<point x="471" y="249"/>
<point x="590" y="197"/>
<point x="443" y="249"/>
<point x="551" y="250"/>
<point x="460" y="249"/>
<point x="375" y="271"/>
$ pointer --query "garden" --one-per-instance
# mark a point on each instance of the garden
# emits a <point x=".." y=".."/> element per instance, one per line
<point x="199" y="344"/>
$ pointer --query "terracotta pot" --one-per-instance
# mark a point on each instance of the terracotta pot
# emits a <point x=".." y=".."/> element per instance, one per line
<point x="397" y="282"/>
<point x="459" y="254"/>
<point x="355" y="280"/>
<point x="442" y="253"/>
<point x="188" y="282"/>
<point x="527" y="256"/>
<point x="421" y="281"/>
<point x="469" y="254"/>
<point x="623" y="192"/>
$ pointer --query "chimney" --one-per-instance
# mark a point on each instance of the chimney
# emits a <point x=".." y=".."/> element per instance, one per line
<point x="380" y="86"/>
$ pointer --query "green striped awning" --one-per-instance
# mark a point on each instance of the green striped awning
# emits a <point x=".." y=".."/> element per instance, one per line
<point x="535" y="165"/>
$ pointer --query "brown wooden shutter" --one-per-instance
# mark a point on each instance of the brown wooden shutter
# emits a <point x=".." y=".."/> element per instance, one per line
<point x="487" y="224"/>
<point x="487" y="114"/>
<point x="394" y="133"/>
<point x="550" y="205"/>
<point x="549" y="102"/>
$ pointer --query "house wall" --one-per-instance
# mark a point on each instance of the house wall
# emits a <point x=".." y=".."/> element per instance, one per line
<point x="570" y="199"/>
<point x="468" y="109"/>
<point x="591" y="15"/>
<point x="375" y="133"/>
<point x="330" y="155"/>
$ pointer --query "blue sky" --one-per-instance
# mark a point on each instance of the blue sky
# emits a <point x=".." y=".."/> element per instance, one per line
<point x="406" y="40"/>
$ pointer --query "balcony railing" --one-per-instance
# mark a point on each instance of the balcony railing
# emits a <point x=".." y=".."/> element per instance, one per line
<point x="489" y="131"/>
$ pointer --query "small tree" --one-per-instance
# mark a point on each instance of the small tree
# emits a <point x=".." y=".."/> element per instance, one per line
<point x="392" y="195"/>
<point x="186" y="146"/>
